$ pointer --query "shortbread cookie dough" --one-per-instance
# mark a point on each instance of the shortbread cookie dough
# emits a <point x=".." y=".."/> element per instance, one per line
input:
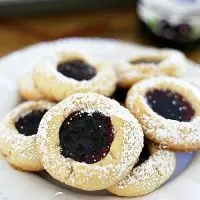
<point x="146" y="65"/>
<point x="28" y="89"/>
<point x="168" y="110"/>
<point x="154" y="168"/>
<point x="18" y="133"/>
<point x="67" y="73"/>
<point x="89" y="141"/>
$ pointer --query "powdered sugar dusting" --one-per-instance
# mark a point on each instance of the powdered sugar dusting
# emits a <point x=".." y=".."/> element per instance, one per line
<point x="184" y="136"/>
<point x="105" y="172"/>
<point x="172" y="63"/>
<point x="148" y="176"/>
<point x="54" y="84"/>
<point x="17" y="147"/>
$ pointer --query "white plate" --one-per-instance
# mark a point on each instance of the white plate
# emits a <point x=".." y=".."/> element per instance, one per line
<point x="15" y="185"/>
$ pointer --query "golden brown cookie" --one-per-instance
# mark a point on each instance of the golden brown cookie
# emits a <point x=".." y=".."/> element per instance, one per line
<point x="89" y="141"/>
<point x="67" y="73"/>
<point x="27" y="88"/>
<point x="168" y="110"/>
<point x="154" y="168"/>
<point x="150" y="64"/>
<point x="18" y="133"/>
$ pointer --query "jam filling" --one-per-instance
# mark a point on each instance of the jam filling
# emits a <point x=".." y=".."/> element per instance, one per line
<point x="170" y="105"/>
<point x="146" y="61"/>
<point x="120" y="94"/>
<point x="28" y="125"/>
<point x="86" y="137"/>
<point x="77" y="69"/>
<point x="145" y="154"/>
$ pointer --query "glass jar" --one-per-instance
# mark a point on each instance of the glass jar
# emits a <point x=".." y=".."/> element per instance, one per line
<point x="175" y="22"/>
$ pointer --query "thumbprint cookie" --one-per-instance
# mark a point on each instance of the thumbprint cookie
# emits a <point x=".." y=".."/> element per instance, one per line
<point x="67" y="73"/>
<point x="18" y="132"/>
<point x="168" y="110"/>
<point x="142" y="66"/>
<point x="27" y="88"/>
<point x="154" y="167"/>
<point x="89" y="141"/>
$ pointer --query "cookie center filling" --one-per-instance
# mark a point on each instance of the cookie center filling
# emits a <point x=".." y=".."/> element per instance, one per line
<point x="120" y="94"/>
<point x="145" y="154"/>
<point x="77" y="69"/>
<point x="140" y="61"/>
<point x="86" y="137"/>
<point x="28" y="125"/>
<point x="170" y="105"/>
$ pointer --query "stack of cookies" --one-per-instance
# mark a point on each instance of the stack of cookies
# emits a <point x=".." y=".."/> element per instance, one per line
<point x="95" y="125"/>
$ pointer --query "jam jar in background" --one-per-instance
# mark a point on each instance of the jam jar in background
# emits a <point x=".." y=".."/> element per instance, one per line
<point x="171" y="23"/>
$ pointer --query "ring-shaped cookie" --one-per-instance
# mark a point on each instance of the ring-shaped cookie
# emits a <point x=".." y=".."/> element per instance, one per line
<point x="57" y="86"/>
<point x="168" y="110"/>
<point x="148" y="175"/>
<point x="17" y="141"/>
<point x="122" y="152"/>
<point x="150" y="64"/>
<point x="27" y="88"/>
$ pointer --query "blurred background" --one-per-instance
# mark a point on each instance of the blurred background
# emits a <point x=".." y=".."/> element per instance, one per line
<point x="166" y="23"/>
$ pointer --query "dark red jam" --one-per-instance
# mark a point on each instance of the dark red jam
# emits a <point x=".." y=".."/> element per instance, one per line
<point x="28" y="125"/>
<point x="77" y="69"/>
<point x="86" y="137"/>
<point x="170" y="105"/>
